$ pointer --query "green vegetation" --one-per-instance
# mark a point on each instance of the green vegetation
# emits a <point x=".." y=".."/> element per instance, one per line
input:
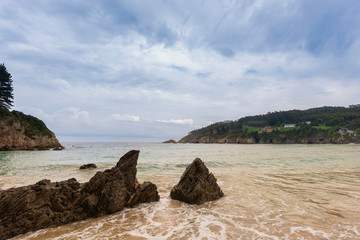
<point x="319" y="123"/>
<point x="250" y="128"/>
<point x="6" y="88"/>
<point x="323" y="127"/>
<point x="32" y="125"/>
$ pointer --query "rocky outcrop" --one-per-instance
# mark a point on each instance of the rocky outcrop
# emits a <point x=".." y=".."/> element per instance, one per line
<point x="170" y="141"/>
<point x="196" y="185"/>
<point x="217" y="139"/>
<point x="47" y="204"/>
<point x="268" y="138"/>
<point x="87" y="166"/>
<point x="15" y="136"/>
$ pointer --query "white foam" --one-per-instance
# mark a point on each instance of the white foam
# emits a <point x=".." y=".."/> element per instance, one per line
<point x="315" y="233"/>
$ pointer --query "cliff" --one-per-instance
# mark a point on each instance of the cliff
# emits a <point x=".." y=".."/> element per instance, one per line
<point x="317" y="138"/>
<point x="19" y="131"/>
<point x="317" y="125"/>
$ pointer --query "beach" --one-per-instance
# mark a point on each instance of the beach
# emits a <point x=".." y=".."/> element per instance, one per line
<point x="271" y="191"/>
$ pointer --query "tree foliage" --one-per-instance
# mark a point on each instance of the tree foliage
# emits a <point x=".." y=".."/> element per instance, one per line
<point x="6" y="88"/>
<point x="32" y="125"/>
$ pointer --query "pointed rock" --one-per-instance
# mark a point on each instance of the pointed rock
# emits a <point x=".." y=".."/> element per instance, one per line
<point x="127" y="165"/>
<point x="196" y="185"/>
<point x="109" y="191"/>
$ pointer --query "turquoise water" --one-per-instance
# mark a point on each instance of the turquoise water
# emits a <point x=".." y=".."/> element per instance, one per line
<point x="271" y="191"/>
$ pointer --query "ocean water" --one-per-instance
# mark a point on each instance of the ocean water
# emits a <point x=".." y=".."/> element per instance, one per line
<point x="271" y="191"/>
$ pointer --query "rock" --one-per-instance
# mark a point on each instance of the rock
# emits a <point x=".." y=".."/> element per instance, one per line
<point x="47" y="204"/>
<point x="170" y="141"/>
<point x="58" y="148"/>
<point x="146" y="192"/>
<point x="14" y="137"/>
<point x="37" y="206"/>
<point x="89" y="165"/>
<point x="196" y="185"/>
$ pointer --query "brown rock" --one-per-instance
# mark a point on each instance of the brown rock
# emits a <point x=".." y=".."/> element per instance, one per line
<point x="89" y="165"/>
<point x="146" y="192"/>
<point x="13" y="137"/>
<point x="47" y="204"/>
<point x="196" y="185"/>
<point x="37" y="206"/>
<point x="170" y="141"/>
<point x="58" y="148"/>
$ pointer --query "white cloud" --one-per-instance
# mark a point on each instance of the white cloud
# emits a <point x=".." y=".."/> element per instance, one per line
<point x="72" y="113"/>
<point x="212" y="61"/>
<point x="178" y="121"/>
<point x="126" y="117"/>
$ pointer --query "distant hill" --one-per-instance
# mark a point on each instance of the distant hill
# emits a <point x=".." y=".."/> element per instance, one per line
<point x="316" y="125"/>
<point x="19" y="131"/>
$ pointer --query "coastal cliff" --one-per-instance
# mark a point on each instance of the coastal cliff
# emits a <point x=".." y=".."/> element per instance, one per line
<point x="268" y="138"/>
<point x="338" y="125"/>
<point x="19" y="131"/>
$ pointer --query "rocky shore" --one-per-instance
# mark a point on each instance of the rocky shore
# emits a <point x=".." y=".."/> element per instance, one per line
<point x="46" y="204"/>
<point x="19" y="131"/>
<point x="51" y="204"/>
<point x="268" y="139"/>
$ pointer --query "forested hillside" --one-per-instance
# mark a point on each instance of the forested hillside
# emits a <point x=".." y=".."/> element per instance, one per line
<point x="316" y="125"/>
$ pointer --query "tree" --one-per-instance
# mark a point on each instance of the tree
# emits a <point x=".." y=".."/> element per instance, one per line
<point x="357" y="132"/>
<point x="6" y="88"/>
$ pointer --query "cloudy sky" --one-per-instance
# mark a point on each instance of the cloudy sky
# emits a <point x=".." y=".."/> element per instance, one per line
<point x="153" y="70"/>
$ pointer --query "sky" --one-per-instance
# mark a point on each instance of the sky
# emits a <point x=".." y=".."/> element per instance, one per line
<point x="149" y="71"/>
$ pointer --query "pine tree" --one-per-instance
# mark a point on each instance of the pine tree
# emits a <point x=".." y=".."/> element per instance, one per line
<point x="6" y="88"/>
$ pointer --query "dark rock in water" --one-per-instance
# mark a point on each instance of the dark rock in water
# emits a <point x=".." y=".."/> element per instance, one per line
<point x="170" y="141"/>
<point x="58" y="148"/>
<point x="196" y="185"/>
<point x="89" y="165"/>
<point x="47" y="204"/>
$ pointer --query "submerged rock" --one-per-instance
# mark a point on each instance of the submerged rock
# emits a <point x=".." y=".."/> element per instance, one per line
<point x="196" y="185"/>
<point x="89" y="165"/>
<point x="47" y="204"/>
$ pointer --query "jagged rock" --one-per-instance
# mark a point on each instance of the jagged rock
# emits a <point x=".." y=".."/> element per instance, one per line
<point x="37" y="206"/>
<point x="89" y="165"/>
<point x="47" y="204"/>
<point x="196" y="185"/>
<point x="146" y="192"/>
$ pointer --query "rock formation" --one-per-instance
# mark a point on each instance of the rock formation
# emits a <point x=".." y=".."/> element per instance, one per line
<point x="170" y="141"/>
<point x="47" y="204"/>
<point x="196" y="185"/>
<point x="89" y="165"/>
<point x="19" y="131"/>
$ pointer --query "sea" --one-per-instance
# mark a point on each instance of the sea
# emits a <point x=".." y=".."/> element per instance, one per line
<point x="271" y="191"/>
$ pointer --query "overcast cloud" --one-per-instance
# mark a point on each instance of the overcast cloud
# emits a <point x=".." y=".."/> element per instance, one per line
<point x="154" y="70"/>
